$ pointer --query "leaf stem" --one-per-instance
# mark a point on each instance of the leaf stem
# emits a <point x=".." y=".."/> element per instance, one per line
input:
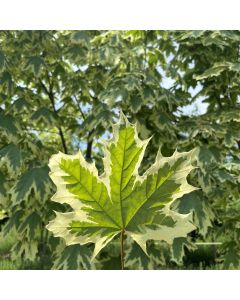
<point x="122" y="248"/>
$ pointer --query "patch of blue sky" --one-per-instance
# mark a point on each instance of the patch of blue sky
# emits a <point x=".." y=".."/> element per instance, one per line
<point x="197" y="107"/>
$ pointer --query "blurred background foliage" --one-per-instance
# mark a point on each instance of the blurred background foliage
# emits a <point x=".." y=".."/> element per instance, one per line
<point x="62" y="90"/>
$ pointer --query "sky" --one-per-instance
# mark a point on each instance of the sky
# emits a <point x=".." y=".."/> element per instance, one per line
<point x="198" y="107"/>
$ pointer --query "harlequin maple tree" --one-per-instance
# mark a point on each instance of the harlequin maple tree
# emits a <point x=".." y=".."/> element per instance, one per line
<point x="61" y="90"/>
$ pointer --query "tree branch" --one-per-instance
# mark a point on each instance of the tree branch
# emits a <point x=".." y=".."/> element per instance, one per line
<point x="89" y="146"/>
<point x="79" y="107"/>
<point x="51" y="97"/>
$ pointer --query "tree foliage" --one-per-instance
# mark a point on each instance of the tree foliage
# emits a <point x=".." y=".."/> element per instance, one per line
<point x="62" y="90"/>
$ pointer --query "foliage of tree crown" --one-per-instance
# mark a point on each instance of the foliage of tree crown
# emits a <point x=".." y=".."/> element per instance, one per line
<point x="62" y="89"/>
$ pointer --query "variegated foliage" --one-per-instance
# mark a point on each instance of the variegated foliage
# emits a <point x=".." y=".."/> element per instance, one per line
<point x="120" y="200"/>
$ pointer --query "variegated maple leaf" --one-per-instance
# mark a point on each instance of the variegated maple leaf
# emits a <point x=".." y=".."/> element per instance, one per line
<point x="120" y="200"/>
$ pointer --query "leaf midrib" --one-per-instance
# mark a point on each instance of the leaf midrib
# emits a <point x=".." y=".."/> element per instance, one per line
<point x="120" y="186"/>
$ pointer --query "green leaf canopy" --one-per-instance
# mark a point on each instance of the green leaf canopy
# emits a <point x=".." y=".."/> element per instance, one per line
<point x="120" y="200"/>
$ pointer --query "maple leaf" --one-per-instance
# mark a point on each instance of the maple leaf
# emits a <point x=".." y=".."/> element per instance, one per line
<point x="120" y="200"/>
<point x="12" y="156"/>
<point x="35" y="180"/>
<point x="73" y="257"/>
